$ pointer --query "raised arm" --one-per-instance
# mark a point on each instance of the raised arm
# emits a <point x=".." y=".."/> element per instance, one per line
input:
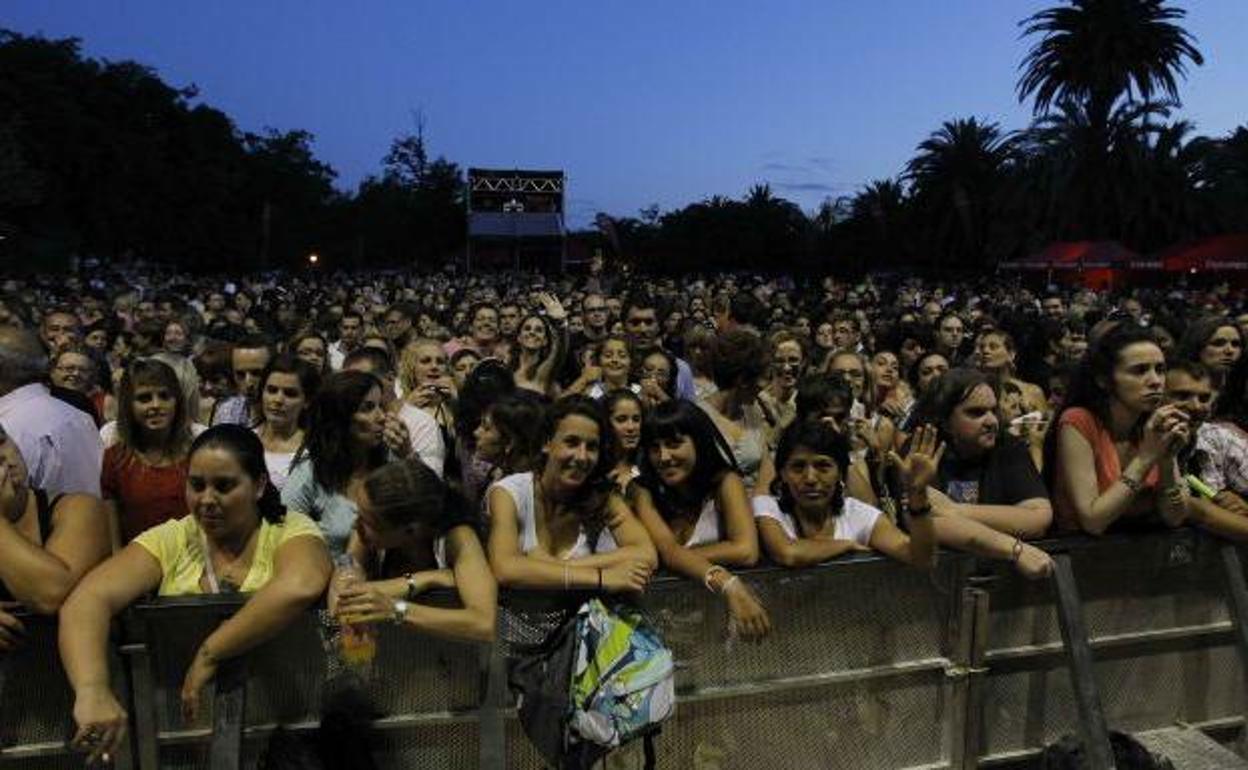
<point x="41" y="578"/>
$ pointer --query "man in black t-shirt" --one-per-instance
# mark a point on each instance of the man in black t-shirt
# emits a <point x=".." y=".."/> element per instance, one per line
<point x="988" y="495"/>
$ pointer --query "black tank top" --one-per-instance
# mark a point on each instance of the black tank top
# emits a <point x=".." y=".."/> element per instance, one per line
<point x="43" y="511"/>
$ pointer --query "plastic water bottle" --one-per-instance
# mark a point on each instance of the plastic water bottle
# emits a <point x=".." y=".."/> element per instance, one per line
<point x="357" y="641"/>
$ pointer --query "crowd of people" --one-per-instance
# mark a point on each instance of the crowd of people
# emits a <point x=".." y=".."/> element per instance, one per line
<point x="179" y="435"/>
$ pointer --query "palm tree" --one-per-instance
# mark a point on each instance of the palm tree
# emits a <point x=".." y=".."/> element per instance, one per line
<point x="955" y="179"/>
<point x="1097" y="51"/>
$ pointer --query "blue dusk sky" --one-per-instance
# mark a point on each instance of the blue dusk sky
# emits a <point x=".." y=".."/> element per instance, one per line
<point x="639" y="103"/>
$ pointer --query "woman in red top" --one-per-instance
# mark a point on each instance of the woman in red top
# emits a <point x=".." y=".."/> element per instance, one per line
<point x="144" y="476"/>
<point x="1111" y="454"/>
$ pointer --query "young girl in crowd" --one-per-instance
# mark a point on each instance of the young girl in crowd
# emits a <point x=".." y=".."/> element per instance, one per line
<point x="287" y="388"/>
<point x="613" y="371"/>
<point x="624" y="420"/>
<point x="143" y="478"/>
<point x="808" y="518"/>
<point x="695" y="506"/>
<point x="563" y="527"/>
<point x="237" y="537"/>
<point x="1111" y="456"/>
<point x="413" y="534"/>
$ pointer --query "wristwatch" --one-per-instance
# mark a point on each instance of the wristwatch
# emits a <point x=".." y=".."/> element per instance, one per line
<point x="400" y="612"/>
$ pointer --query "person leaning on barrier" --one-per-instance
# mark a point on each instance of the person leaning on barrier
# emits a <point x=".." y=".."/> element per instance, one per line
<point x="237" y="537"/>
<point x="692" y="501"/>
<point x="414" y="534"/>
<point x="987" y="494"/>
<point x="46" y="545"/>
<point x="1112" y="454"/>
<point x="1216" y="453"/>
<point x="563" y="526"/>
<point x="808" y="519"/>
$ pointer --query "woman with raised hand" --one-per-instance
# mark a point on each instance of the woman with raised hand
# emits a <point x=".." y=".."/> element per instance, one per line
<point x="809" y="519"/>
<point x="563" y="526"/>
<point x="1112" y="455"/>
<point x="143" y="479"/>
<point x="694" y="504"/>
<point x="414" y="534"/>
<point x="287" y="388"/>
<point x="541" y="344"/>
<point x="237" y="537"/>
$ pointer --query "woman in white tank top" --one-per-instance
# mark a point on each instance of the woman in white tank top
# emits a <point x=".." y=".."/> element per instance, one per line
<point x="809" y="519"/>
<point x="693" y="503"/>
<point x="564" y="526"/>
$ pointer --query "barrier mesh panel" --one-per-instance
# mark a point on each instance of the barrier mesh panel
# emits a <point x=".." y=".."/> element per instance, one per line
<point x="37" y="704"/>
<point x="1152" y="585"/>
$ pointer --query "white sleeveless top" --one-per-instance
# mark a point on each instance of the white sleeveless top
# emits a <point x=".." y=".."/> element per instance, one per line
<point x="855" y="522"/>
<point x="706" y="530"/>
<point x="520" y="487"/>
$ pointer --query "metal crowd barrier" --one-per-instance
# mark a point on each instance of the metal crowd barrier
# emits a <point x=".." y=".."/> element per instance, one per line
<point x="870" y="664"/>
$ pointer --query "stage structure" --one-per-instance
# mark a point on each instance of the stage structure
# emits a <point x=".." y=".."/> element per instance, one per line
<point x="515" y="220"/>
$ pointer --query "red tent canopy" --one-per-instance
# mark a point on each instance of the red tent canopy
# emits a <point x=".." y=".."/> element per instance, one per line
<point x="1076" y="255"/>
<point x="1218" y="253"/>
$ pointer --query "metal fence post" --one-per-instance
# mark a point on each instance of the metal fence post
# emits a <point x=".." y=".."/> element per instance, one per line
<point x="492" y="733"/>
<point x="1237" y="604"/>
<point x="229" y="709"/>
<point x="967" y="672"/>
<point x="1092" y="726"/>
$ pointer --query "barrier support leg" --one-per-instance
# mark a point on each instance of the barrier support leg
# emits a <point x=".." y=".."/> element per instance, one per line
<point x="229" y="708"/>
<point x="1237" y="595"/>
<point x="1092" y="726"/>
<point x="492" y="745"/>
<point x="139" y="661"/>
<point x="966" y="720"/>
